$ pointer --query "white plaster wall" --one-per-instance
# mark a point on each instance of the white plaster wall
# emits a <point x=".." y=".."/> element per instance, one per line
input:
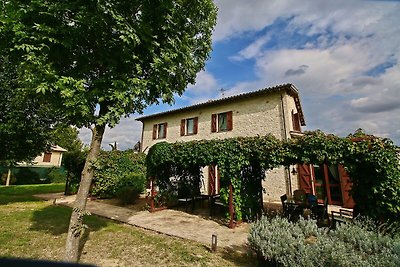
<point x="55" y="160"/>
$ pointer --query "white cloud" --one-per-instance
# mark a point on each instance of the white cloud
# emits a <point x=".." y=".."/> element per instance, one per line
<point x="354" y="37"/>
<point x="126" y="134"/>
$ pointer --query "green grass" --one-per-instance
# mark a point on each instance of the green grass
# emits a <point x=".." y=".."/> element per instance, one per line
<point x="24" y="193"/>
<point x="36" y="229"/>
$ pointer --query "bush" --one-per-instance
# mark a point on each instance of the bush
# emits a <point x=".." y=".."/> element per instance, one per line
<point x="26" y="175"/>
<point x="130" y="187"/>
<point x="73" y="162"/>
<point x="56" y="175"/>
<point x="303" y="244"/>
<point x="117" y="169"/>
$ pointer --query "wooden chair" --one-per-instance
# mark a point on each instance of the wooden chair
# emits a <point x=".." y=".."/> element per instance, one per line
<point x="284" y="206"/>
<point x="321" y="212"/>
<point x="299" y="196"/>
<point x="341" y="216"/>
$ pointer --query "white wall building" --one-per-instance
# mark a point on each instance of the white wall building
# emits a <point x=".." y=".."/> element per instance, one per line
<point x="274" y="110"/>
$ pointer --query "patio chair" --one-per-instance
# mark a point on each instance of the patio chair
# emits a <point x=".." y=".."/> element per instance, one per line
<point x="341" y="216"/>
<point x="321" y="213"/>
<point x="284" y="206"/>
<point x="299" y="196"/>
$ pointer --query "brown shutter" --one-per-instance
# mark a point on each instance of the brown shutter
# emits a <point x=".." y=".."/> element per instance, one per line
<point x="195" y="124"/>
<point x="211" y="180"/>
<point x="213" y="123"/>
<point x="155" y="126"/>
<point x="165" y="129"/>
<point x="47" y="157"/>
<point x="346" y="186"/>
<point x="296" y="122"/>
<point x="229" y="120"/>
<point x="183" y="126"/>
<point x="305" y="177"/>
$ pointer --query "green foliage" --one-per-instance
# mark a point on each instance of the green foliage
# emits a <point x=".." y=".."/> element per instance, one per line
<point x="373" y="165"/>
<point x="26" y="175"/>
<point x="73" y="162"/>
<point x="118" y="56"/>
<point x="66" y="137"/>
<point x="117" y="169"/>
<point x="57" y="175"/>
<point x="303" y="244"/>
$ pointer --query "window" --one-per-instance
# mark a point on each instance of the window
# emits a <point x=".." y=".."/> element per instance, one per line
<point x="160" y="130"/>
<point x="296" y="122"/>
<point x="221" y="122"/>
<point x="189" y="126"/>
<point x="47" y="157"/>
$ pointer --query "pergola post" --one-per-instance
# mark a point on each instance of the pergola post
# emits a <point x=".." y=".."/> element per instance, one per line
<point x="231" y="207"/>
<point x="152" y="194"/>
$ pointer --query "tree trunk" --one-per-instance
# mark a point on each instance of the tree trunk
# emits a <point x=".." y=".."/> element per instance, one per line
<point x="8" y="177"/>
<point x="76" y="227"/>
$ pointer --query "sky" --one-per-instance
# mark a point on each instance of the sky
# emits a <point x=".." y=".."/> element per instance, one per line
<point x="343" y="56"/>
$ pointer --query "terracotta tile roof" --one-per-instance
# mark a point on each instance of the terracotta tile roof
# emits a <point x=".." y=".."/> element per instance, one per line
<point x="289" y="88"/>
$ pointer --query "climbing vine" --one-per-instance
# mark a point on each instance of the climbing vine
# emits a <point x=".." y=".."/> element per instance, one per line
<point x="373" y="165"/>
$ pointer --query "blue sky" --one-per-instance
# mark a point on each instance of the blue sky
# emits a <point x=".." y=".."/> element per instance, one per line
<point x="342" y="55"/>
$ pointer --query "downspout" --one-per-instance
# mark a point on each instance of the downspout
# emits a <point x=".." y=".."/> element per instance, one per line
<point x="287" y="170"/>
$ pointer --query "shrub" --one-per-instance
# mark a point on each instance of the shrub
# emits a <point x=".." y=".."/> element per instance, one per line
<point x="117" y="169"/>
<point x="303" y="244"/>
<point x="26" y="175"/>
<point x="73" y="162"/>
<point x="130" y="187"/>
<point x="56" y="175"/>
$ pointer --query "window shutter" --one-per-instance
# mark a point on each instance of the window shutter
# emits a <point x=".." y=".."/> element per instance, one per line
<point x="165" y="130"/>
<point x="183" y="126"/>
<point x="305" y="177"/>
<point x="346" y="186"/>
<point x="154" y="131"/>
<point x="47" y="157"/>
<point x="213" y="123"/>
<point x="195" y="125"/>
<point x="229" y="120"/>
<point x="296" y="122"/>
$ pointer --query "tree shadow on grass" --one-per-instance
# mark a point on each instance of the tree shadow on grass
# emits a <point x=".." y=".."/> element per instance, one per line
<point x="55" y="220"/>
<point x="240" y="255"/>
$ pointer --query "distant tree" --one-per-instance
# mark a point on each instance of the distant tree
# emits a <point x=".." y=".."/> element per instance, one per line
<point x="98" y="60"/>
<point x="25" y="122"/>
<point x="67" y="137"/>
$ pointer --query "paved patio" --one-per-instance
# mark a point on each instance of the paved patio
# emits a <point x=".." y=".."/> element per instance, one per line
<point x="170" y="222"/>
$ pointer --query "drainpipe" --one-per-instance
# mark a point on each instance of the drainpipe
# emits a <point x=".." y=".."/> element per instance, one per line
<point x="287" y="170"/>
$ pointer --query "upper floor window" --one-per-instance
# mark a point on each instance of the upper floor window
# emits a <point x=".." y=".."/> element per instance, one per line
<point x="47" y="157"/>
<point x="160" y="130"/>
<point x="189" y="126"/>
<point x="296" y="122"/>
<point x="221" y="122"/>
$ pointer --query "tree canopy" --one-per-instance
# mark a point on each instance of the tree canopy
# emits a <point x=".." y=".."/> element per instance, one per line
<point x="98" y="60"/>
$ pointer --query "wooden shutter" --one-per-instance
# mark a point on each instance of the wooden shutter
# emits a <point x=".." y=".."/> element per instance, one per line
<point x="229" y="120"/>
<point x="165" y="129"/>
<point x="296" y="122"/>
<point x="305" y="177"/>
<point x="211" y="180"/>
<point x="195" y="124"/>
<point x="47" y="157"/>
<point x="213" y="123"/>
<point x="346" y="186"/>
<point x="183" y="126"/>
<point x="155" y="126"/>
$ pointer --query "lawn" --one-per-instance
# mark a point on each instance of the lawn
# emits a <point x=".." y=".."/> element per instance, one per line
<point x="30" y="228"/>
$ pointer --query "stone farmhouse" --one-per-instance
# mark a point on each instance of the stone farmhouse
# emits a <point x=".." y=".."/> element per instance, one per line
<point x="274" y="110"/>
